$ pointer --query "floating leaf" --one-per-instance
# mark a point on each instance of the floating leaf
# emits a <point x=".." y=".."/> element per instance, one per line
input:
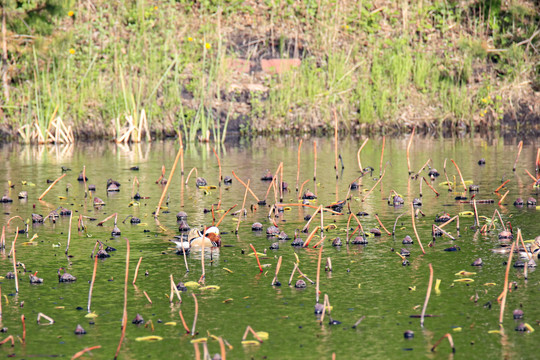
<point x="209" y="187"/>
<point x="359" y="286"/>
<point x="466" y="214"/>
<point x="446" y="183"/>
<point x="58" y="307"/>
<point x="330" y="227"/>
<point x="171" y="323"/>
<point x="142" y="224"/>
<point x="490" y="284"/>
<point x="199" y="340"/>
<point x="92" y="315"/>
<point x="227" y="300"/>
<point x="228" y="270"/>
<point x="62" y="197"/>
<point x="494" y="331"/>
<point x="412" y="288"/>
<point x="149" y="338"/>
<point x="56" y="245"/>
<point x="210" y="287"/>
<point x="437" y="284"/>
<point x="250" y="342"/>
<point x="465" y="280"/>
<point x="192" y="284"/>
<point x="464" y="273"/>
<point x="529" y="327"/>
<point x="457" y="329"/>
<point x="258" y="254"/>
<point x="263" y="335"/>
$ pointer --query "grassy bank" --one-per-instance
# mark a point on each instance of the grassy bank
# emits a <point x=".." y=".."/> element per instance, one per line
<point x="195" y="66"/>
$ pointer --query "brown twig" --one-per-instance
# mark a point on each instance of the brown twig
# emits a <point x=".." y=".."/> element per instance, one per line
<point x="358" y="155"/>
<point x="503" y="197"/>
<point x="278" y="266"/>
<point x="450" y="340"/>
<point x="318" y="274"/>
<point x="257" y="257"/>
<point x="147" y="297"/>
<point x="431" y="187"/>
<point x="446" y="175"/>
<point x="50" y="186"/>
<point x="184" y="322"/>
<point x="15" y="260"/>
<point x="224" y="214"/>
<point x="189" y="174"/>
<point x="250" y="329"/>
<point x="24" y="329"/>
<point x="302" y="189"/>
<point x="380" y="223"/>
<point x="69" y="231"/>
<point x="374" y="186"/>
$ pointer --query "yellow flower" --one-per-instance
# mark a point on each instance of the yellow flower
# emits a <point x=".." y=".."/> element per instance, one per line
<point x="71" y="13"/>
<point x="208" y="46"/>
<point x="190" y="39"/>
<point x="155" y="7"/>
<point x="72" y="51"/>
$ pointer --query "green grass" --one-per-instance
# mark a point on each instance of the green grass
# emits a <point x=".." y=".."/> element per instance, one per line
<point x="121" y="57"/>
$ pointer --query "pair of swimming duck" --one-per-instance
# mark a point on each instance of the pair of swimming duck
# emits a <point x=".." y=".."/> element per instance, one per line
<point x="196" y="239"/>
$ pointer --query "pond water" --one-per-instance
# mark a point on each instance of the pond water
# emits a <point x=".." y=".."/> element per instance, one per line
<point x="367" y="280"/>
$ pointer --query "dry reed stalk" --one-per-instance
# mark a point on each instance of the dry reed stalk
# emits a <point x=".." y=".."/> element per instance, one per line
<point x="243" y="183"/>
<point x="318" y="274"/>
<point x="460" y="176"/>
<point x="314" y="161"/>
<point x="520" y="147"/>
<point x="203" y="275"/>
<point x="135" y="180"/>
<point x="222" y="348"/>
<point x="502" y="296"/>
<point x="449" y="221"/>
<point x="382" y="155"/>
<point x="423" y="167"/>
<point x="395" y="223"/>
<point x="446" y="176"/>
<point x="444" y="232"/>
<point x="219" y="165"/>
<point x="243" y="209"/>
<point x="431" y="187"/>
<point x="301" y="189"/>
<point x="124" y="316"/>
<point x="107" y="219"/>
<point x="69" y="231"/>
<point x="502" y="185"/>
<point x="306" y="227"/>
<point x="225" y="214"/>
<point x="414" y="228"/>
<point x="358" y="155"/>
<point x="428" y="293"/>
<point x="15" y="260"/>
<point x="532" y="177"/>
<point x="189" y="174"/>
<point x="257" y="257"/>
<point x="162" y="174"/>
<point x="304" y="275"/>
<point x="278" y="266"/>
<point x="374" y="186"/>
<point x="84" y="351"/>
<point x="137" y="270"/>
<point x="147" y="297"/>
<point x="476" y="214"/>
<point x="336" y="142"/>
<point x="359" y="224"/>
<point x="380" y="223"/>
<point x="298" y="165"/>
<point x="450" y="340"/>
<point x="184" y="322"/>
<point x="175" y="288"/>
<point x="308" y="240"/>
<point x="84" y="181"/>
<point x="328" y="266"/>
<point x="292" y="273"/>
<point x="520" y="238"/>
<point x="348" y="225"/>
<point x="9" y="338"/>
<point x="537" y="163"/>
<point x="24" y="329"/>
<point x="409" y="149"/>
<point x="197" y="351"/>
<point x="93" y="280"/>
<point x="281" y="184"/>
<point x="326" y="305"/>
<point x="3" y="238"/>
<point x="0" y="303"/>
<point x="50" y="187"/>
<point x="169" y="181"/>
<point x="193" y="333"/>
<point x="503" y="197"/>
<point x="250" y="329"/>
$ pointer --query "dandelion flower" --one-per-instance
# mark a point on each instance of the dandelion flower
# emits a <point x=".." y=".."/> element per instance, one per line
<point x="208" y="46"/>
<point x="71" y="13"/>
<point x="72" y="51"/>
<point x="155" y="7"/>
<point x="190" y="39"/>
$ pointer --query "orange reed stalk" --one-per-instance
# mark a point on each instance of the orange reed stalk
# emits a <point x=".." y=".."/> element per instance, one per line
<point x="250" y="329"/>
<point x="15" y="260"/>
<point x="243" y="183"/>
<point x="414" y="228"/>
<point x="147" y="297"/>
<point x="428" y="293"/>
<point x="335" y="141"/>
<point x="382" y="155"/>
<point x="24" y="329"/>
<point x="278" y="266"/>
<point x="169" y="180"/>
<point x="84" y="351"/>
<point x="520" y="147"/>
<point x="308" y="240"/>
<point x="318" y="274"/>
<point x="380" y="223"/>
<point x="222" y="348"/>
<point x="503" y="197"/>
<point x="301" y="189"/>
<point x="50" y="187"/>
<point x="446" y="175"/>
<point x="502" y="296"/>
<point x="431" y="187"/>
<point x="257" y="257"/>
<point x="184" y="322"/>
<point x="298" y="165"/>
<point x="126" y="279"/>
<point x="374" y="186"/>
<point x="532" y="177"/>
<point x="502" y="185"/>
<point x="9" y="338"/>
<point x="315" y="161"/>
<point x="69" y="231"/>
<point x="189" y="174"/>
<point x="243" y="209"/>
<point x="409" y="149"/>
<point x="137" y="270"/>
<point x="225" y="213"/>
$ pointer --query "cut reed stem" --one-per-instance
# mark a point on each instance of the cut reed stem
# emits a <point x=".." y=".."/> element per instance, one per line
<point x="382" y="156"/>
<point x="431" y="187"/>
<point x="242" y="210"/>
<point x="502" y="185"/>
<point x="358" y="155"/>
<point x="336" y="141"/>
<point x="189" y="174"/>
<point x="380" y="223"/>
<point x="256" y="257"/>
<point x="193" y="333"/>
<point x="184" y="322"/>
<point x="428" y="293"/>
<point x="450" y="341"/>
<point x="51" y="186"/>
<point x="503" y="197"/>
<point x="243" y="183"/>
<point x="124" y="316"/>
<point x="374" y="186"/>
<point x="317" y="287"/>
<point x="69" y="231"/>
<point x="520" y="147"/>
<point x="147" y="297"/>
<point x="137" y="270"/>
<point x="15" y="260"/>
<point x="278" y="266"/>
<point x="446" y="176"/>
<point x="414" y="228"/>
<point x="169" y="180"/>
<point x="298" y="165"/>
<point x="409" y="149"/>
<point x="219" y="165"/>
<point x="460" y="176"/>
<point x="314" y="161"/>
<point x="93" y="280"/>
<point x="225" y="213"/>
<point x="84" y="351"/>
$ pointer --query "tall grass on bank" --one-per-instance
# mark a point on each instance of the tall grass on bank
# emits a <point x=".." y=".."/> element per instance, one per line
<point x="376" y="62"/>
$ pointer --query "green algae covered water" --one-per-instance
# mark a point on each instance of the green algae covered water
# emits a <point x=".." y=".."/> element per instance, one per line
<point x="366" y="280"/>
